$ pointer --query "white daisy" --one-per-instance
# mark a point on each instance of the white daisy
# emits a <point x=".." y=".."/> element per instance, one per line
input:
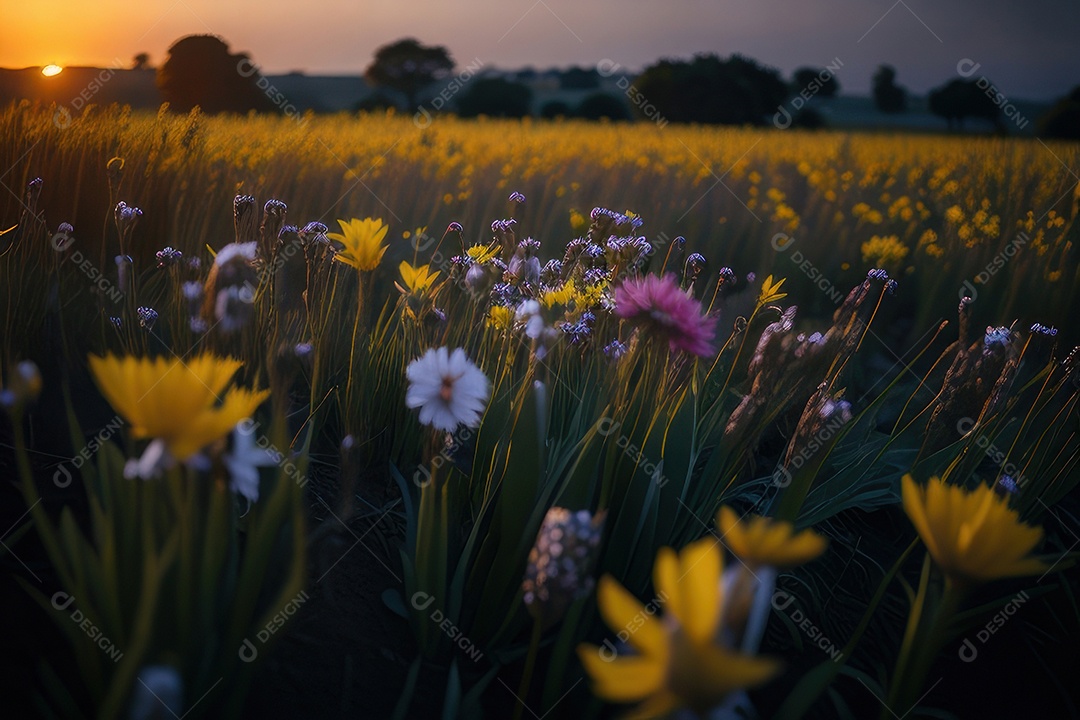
<point x="154" y="460"/>
<point x="245" y="459"/>
<point x="448" y="389"/>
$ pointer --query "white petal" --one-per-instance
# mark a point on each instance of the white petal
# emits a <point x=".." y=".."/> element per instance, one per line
<point x="154" y="460"/>
<point x="429" y="375"/>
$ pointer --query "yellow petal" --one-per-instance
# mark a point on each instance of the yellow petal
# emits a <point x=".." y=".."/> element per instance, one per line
<point x="625" y="615"/>
<point x="971" y="535"/>
<point x="721" y="671"/>
<point x="765" y="541"/>
<point x="699" y="588"/>
<point x="658" y="706"/>
<point x="726" y="521"/>
<point x="914" y="506"/>
<point x="804" y="547"/>
<point x="175" y="400"/>
<point x="621" y="679"/>
<point x="408" y="274"/>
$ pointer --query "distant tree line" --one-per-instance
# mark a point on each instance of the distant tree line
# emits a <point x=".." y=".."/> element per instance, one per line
<point x="737" y="90"/>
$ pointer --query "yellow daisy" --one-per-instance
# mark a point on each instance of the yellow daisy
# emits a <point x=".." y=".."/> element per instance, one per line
<point x="363" y="242"/>
<point x="972" y="536"/>
<point x="770" y="291"/>
<point x="174" y="400"/>
<point x="481" y="254"/>
<point x="417" y="279"/>
<point x="761" y="541"/>
<point x="678" y="662"/>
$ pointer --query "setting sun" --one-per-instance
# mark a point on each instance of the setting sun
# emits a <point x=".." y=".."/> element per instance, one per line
<point x="50" y="70"/>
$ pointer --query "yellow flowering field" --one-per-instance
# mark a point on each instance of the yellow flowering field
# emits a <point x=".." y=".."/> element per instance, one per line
<point x="498" y="418"/>
<point x="936" y="212"/>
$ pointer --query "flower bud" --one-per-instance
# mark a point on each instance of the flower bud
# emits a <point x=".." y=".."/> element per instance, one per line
<point x="561" y="563"/>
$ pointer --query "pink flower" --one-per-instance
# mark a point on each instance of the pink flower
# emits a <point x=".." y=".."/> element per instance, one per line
<point x="663" y="309"/>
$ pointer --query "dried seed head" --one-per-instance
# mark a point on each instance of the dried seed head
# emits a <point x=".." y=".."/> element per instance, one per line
<point x="126" y="217"/>
<point x="245" y="215"/>
<point x="313" y="231"/>
<point x="167" y="257"/>
<point x="695" y="263"/>
<point x="33" y="192"/>
<point x="148" y="316"/>
<point x="274" y="212"/>
<point x="551" y="273"/>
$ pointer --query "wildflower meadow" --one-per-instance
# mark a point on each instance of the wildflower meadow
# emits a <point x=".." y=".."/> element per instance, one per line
<point x="357" y="416"/>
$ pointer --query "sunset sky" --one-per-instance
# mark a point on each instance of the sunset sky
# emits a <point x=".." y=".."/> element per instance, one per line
<point x="1028" y="49"/>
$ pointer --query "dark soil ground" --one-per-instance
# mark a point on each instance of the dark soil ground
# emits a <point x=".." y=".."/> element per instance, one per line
<point x="344" y="654"/>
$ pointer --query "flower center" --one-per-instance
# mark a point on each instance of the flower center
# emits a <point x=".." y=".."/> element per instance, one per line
<point x="446" y="392"/>
<point x="660" y="316"/>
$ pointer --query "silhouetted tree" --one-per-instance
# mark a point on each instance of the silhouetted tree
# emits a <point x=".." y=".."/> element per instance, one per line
<point x="708" y="89"/>
<point x="603" y="105"/>
<point x="808" y="119"/>
<point x="959" y="99"/>
<point x="1063" y="120"/>
<point x="200" y="70"/>
<point x="554" y="109"/>
<point x="495" y="97"/>
<point x="576" y="78"/>
<point x="888" y="96"/>
<point x="141" y="61"/>
<point x="804" y="77"/>
<point x="409" y="67"/>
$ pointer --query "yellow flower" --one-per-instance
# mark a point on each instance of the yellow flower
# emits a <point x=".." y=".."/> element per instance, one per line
<point x="481" y="254"/>
<point x="769" y="291"/>
<point x="363" y="242"/>
<point x="174" y="400"/>
<point x="884" y="251"/>
<point x="764" y="541"/>
<point x="578" y="222"/>
<point x="678" y="662"/>
<point x="972" y="536"/>
<point x="417" y="279"/>
<point x="562" y="296"/>
<point x="590" y="295"/>
<point x="499" y="317"/>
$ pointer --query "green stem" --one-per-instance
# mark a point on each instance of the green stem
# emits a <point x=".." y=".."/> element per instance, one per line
<point x="928" y="630"/>
<point x="530" y="664"/>
<point x="355" y="330"/>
